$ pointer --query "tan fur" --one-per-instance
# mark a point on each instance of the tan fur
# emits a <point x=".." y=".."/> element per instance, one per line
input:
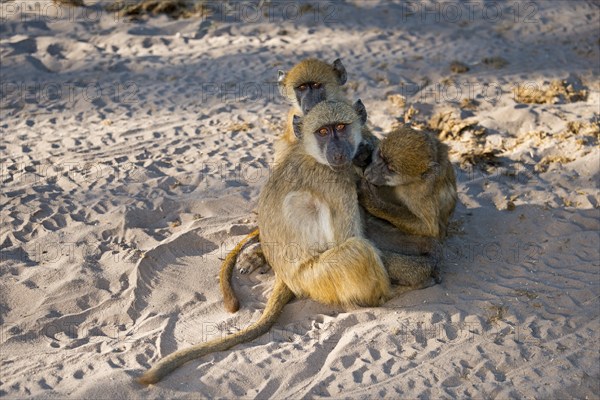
<point x="307" y="70"/>
<point x="419" y="195"/>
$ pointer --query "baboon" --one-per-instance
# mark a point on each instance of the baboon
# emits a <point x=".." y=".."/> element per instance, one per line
<point x="232" y="304"/>
<point x="308" y="83"/>
<point x="411" y="183"/>
<point x="312" y="231"/>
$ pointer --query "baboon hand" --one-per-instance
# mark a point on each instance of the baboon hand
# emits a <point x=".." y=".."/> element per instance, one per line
<point x="367" y="195"/>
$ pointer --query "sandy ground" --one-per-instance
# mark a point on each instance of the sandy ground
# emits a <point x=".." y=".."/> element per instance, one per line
<point x="133" y="153"/>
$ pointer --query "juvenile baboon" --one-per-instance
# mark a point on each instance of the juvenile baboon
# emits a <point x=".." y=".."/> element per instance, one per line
<point x="411" y="183"/>
<point x="308" y="83"/>
<point x="309" y="205"/>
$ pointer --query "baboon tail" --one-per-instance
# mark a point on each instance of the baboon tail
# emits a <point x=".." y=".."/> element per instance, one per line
<point x="279" y="298"/>
<point x="232" y="303"/>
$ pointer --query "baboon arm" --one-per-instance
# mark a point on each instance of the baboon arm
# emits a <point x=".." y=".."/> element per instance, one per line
<point x="398" y="215"/>
<point x="251" y="258"/>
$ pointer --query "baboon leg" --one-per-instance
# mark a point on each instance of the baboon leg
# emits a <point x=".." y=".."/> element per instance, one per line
<point x="350" y="274"/>
<point x="414" y="271"/>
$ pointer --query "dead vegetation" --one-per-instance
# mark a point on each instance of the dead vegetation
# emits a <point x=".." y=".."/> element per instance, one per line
<point x="544" y="163"/>
<point x="483" y="158"/>
<point x="495" y="62"/>
<point x="397" y="100"/>
<point x="239" y="127"/>
<point x="468" y="104"/>
<point x="558" y="91"/>
<point x="584" y="134"/>
<point x="458" y="67"/>
<point x="72" y="3"/>
<point x="450" y="127"/>
<point x="173" y="8"/>
<point x="496" y="313"/>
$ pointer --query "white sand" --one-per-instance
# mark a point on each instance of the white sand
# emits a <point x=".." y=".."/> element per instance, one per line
<point x="166" y="163"/>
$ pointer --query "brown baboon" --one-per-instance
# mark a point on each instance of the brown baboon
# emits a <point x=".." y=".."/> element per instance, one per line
<point x="411" y="183"/>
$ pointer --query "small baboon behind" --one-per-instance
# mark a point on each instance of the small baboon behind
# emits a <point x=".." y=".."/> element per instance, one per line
<point x="411" y="183"/>
<point x="308" y="83"/>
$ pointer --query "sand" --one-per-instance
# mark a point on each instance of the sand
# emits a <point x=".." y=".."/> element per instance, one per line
<point x="133" y="153"/>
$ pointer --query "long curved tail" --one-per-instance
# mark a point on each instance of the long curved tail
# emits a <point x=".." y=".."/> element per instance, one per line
<point x="279" y="298"/>
<point x="232" y="304"/>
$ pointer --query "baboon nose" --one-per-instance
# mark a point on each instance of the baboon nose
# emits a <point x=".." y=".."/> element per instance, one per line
<point x="338" y="158"/>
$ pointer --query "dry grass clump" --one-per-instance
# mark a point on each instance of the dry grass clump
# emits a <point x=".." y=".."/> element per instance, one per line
<point x="480" y="157"/>
<point x="495" y="62"/>
<point x="559" y="91"/>
<point x="468" y="104"/>
<point x="397" y="100"/>
<point x="173" y="8"/>
<point x="542" y="165"/>
<point x="458" y="67"/>
<point x="73" y="3"/>
<point x="450" y="127"/>
<point x="239" y="127"/>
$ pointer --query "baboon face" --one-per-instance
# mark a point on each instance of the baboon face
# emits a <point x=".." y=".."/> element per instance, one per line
<point x="312" y="81"/>
<point x="331" y="132"/>
<point x="404" y="157"/>
<point x="309" y="94"/>
<point x="333" y="140"/>
<point x="381" y="172"/>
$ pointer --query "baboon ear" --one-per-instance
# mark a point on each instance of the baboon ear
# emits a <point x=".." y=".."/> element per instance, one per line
<point x="297" y="124"/>
<point x="360" y="109"/>
<point x="340" y="70"/>
<point x="280" y="78"/>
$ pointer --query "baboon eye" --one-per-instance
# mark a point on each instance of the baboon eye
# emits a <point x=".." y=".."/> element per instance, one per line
<point x="340" y="127"/>
<point x="316" y="85"/>
<point x="302" y="87"/>
<point x="323" y="132"/>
